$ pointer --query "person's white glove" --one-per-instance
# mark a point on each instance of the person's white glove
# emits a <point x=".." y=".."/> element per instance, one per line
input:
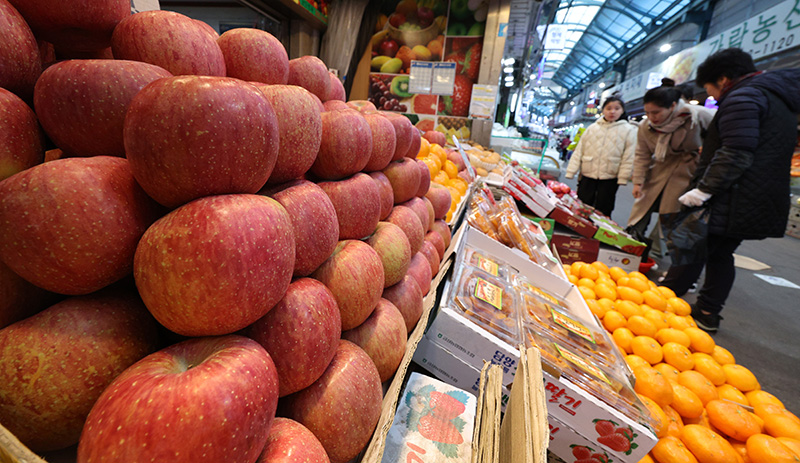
<point x="694" y="197"/>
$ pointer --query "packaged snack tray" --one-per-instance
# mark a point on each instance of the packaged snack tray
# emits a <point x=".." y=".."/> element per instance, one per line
<point x="482" y="261"/>
<point x="489" y="302"/>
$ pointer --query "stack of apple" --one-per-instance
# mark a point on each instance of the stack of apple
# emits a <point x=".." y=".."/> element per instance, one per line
<point x="216" y="245"/>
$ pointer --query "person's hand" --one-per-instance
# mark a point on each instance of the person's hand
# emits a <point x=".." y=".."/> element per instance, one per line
<point x="569" y="176"/>
<point x="694" y="198"/>
<point x="637" y="191"/>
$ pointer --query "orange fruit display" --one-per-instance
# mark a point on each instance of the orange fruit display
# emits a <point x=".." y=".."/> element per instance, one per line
<point x="709" y="368"/>
<point x="677" y="322"/>
<point x="686" y="402"/>
<point x="641" y="326"/>
<point x="678" y="306"/>
<point x="616" y="273"/>
<point x="678" y="356"/>
<point x="669" y="372"/>
<point x="767" y="449"/>
<point x="613" y="320"/>
<point x="654" y="299"/>
<point x="707" y="446"/>
<point x="647" y="348"/>
<point x="671" y="450"/>
<point x="675" y="422"/>
<point x="665" y="292"/>
<point x="666" y="335"/>
<point x="760" y="396"/>
<point x="605" y="291"/>
<point x="634" y="362"/>
<point x="740" y="377"/>
<point x="732" y="419"/>
<point x="792" y="444"/>
<point x="722" y="355"/>
<point x="660" y="421"/>
<point x="658" y="318"/>
<point x="622" y="338"/>
<point x="628" y="308"/>
<point x="700" y="340"/>
<point x="630" y="294"/>
<point x="652" y="384"/>
<point x="778" y="422"/>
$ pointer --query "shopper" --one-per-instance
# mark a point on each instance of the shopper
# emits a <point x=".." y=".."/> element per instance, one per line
<point x="604" y="157"/>
<point x="668" y="144"/>
<point x="563" y="147"/>
<point x="743" y="172"/>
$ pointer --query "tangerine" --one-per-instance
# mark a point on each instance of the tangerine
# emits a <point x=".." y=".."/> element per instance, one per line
<point x="686" y="402"/>
<point x="622" y="337"/>
<point x="759" y="396"/>
<point x="669" y="372"/>
<point x="630" y="294"/>
<point x="572" y="279"/>
<point x="613" y="320"/>
<point x="638" y="285"/>
<point x="675" y="421"/>
<point x="670" y="449"/>
<point x="780" y="422"/>
<point x="616" y="273"/>
<point x="728" y="392"/>
<point x="707" y="446"/>
<point x="666" y="335"/>
<point x="641" y="326"/>
<point x="709" y="368"/>
<point x="700" y="340"/>
<point x="792" y="444"/>
<point x="587" y="293"/>
<point x="424" y="148"/>
<point x="654" y="299"/>
<point x="722" y="355"/>
<point x="575" y="268"/>
<point x="652" y="384"/>
<point x="679" y="306"/>
<point x="732" y="419"/>
<point x="657" y="317"/>
<point x="605" y="305"/>
<point x="450" y="169"/>
<point x="628" y="308"/>
<point x="623" y="281"/>
<point x="586" y="282"/>
<point x="605" y="291"/>
<point x="698" y="384"/>
<point x="638" y="275"/>
<point x="676" y="321"/>
<point x="600" y="266"/>
<point x="678" y="356"/>
<point x="762" y="448"/>
<point x="740" y="377"/>
<point x="634" y="362"/>
<point x="647" y="348"/>
<point x="666" y="293"/>
<point x="589" y="271"/>
<point x="660" y="422"/>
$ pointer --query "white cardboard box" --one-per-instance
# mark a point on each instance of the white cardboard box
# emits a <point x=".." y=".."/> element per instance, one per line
<point x="616" y="258"/>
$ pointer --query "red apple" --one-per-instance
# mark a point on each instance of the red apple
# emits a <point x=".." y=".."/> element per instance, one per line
<point x="57" y="362"/>
<point x="19" y="54"/>
<point x="436" y="137"/>
<point x="421" y="209"/>
<point x="333" y="105"/>
<point x="388" y="48"/>
<point x="337" y="89"/>
<point x="354" y="274"/>
<point x="437" y="241"/>
<point x="21" y="139"/>
<point x="202" y="400"/>
<point x="103" y="53"/>
<point x="440" y="197"/>
<point x="301" y="334"/>
<point x="82" y="103"/>
<point x="170" y="40"/>
<point x="255" y="56"/>
<point x="310" y="73"/>
<point x="357" y="204"/>
<point x="230" y="261"/>
<point x="291" y="442"/>
<point x="420" y="269"/>
<point x="383" y="141"/>
<point x="408" y="221"/>
<point x="404" y="177"/>
<point x="441" y="227"/>
<point x="20" y="299"/>
<point x="194" y="136"/>
<point x="431" y="213"/>
<point x="316" y="228"/>
<point x="300" y="127"/>
<point x="383" y="337"/>
<point x="403" y="132"/>
<point x="391" y="244"/>
<point x="343" y="407"/>
<point x="425" y="16"/>
<point x="81" y="25"/>
<point x="47" y="55"/>
<point x="386" y="193"/>
<point x="407" y="297"/>
<point x="424" y="179"/>
<point x="346" y="145"/>
<point x="361" y="105"/>
<point x="209" y="30"/>
<point x="431" y="254"/>
<point x="416" y="143"/>
<point x="71" y="226"/>
<point x="455" y="157"/>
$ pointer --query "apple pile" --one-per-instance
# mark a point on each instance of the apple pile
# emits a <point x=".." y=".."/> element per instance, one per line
<point x="221" y="239"/>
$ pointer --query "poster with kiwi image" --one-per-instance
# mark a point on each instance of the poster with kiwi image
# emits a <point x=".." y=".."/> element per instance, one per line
<point x="427" y="30"/>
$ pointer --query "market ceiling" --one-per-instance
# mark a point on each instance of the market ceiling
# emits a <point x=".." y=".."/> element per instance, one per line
<point x="600" y="32"/>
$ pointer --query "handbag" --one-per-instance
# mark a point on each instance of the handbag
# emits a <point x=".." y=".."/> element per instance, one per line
<point x="686" y="235"/>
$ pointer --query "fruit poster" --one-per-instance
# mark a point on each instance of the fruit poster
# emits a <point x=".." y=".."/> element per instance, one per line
<point x="429" y="31"/>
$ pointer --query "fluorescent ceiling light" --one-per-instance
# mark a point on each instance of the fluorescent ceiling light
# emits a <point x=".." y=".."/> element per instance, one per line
<point x="508" y="69"/>
<point x="509" y="83"/>
<point x="602" y="85"/>
<point x="509" y="78"/>
<point x="665" y="48"/>
<point x="694" y="102"/>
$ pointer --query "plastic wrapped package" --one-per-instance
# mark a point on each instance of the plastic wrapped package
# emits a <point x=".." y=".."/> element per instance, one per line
<point x="482" y="261"/>
<point x="488" y="301"/>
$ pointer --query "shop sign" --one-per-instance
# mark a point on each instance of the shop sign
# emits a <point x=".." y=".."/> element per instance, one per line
<point x="555" y="37"/>
<point x="484" y="101"/>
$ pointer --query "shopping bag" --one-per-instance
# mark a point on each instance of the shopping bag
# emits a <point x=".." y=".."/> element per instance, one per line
<point x="686" y="234"/>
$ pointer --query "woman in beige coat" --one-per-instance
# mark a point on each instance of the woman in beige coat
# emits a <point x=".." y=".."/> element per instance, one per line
<point x="604" y="157"/>
<point x="667" y="150"/>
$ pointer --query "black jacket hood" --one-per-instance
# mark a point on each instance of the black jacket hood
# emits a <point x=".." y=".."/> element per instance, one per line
<point x="785" y="83"/>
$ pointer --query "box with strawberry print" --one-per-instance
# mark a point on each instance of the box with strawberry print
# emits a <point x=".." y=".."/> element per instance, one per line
<point x="434" y="422"/>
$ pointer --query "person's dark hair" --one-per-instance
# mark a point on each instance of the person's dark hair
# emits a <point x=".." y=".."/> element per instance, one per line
<point x="730" y="62"/>
<point x="616" y="98"/>
<point x="687" y="91"/>
<point x="664" y="95"/>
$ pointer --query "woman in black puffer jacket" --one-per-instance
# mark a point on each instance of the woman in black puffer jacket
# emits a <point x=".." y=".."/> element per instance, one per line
<point x="743" y="172"/>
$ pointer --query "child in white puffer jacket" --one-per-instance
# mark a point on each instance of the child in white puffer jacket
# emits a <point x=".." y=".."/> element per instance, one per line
<point x="604" y="157"/>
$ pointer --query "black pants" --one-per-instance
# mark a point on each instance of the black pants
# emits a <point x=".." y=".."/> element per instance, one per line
<point x="601" y="194"/>
<point x="720" y="273"/>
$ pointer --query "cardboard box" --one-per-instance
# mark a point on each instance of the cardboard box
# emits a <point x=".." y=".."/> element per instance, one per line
<point x="572" y="248"/>
<point x="547" y="225"/>
<point x="575" y="223"/>
<point x="564" y="439"/>
<point x="617" y="258"/>
<point x="793" y="229"/>
<point x="619" y="240"/>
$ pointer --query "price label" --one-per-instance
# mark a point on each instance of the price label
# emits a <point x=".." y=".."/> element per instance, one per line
<point x="583" y="364"/>
<point x="488" y="266"/>
<point x="572" y="325"/>
<point x="489" y="293"/>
